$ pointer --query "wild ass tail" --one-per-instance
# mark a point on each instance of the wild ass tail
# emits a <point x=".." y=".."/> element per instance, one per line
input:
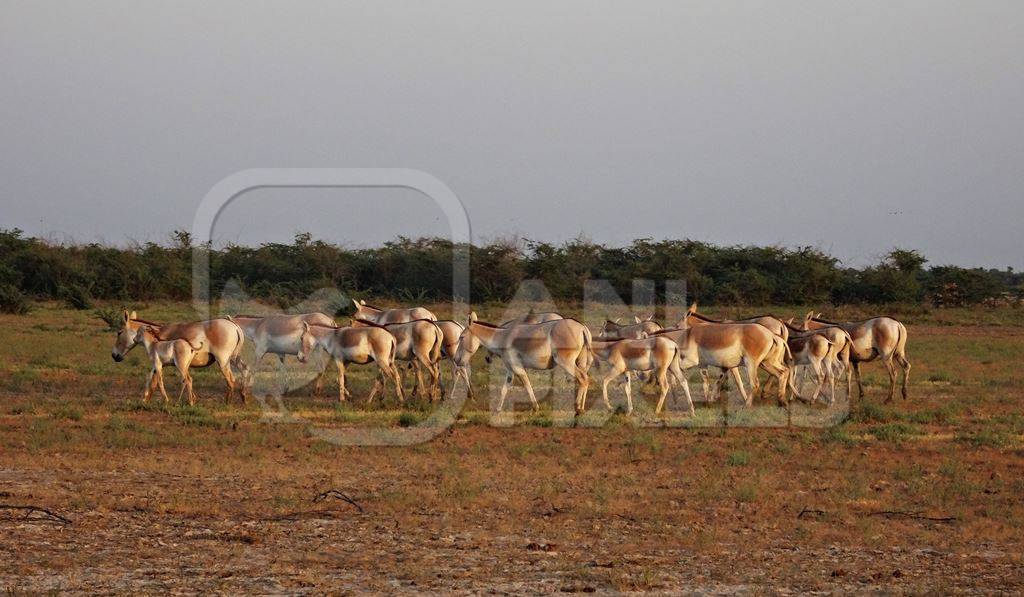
<point x="435" y="350"/>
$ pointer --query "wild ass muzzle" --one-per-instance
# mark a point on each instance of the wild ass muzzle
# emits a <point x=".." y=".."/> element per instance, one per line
<point x="877" y="338"/>
<point x="221" y="342"/>
<point x="418" y="342"/>
<point x="164" y="352"/>
<point x="561" y="343"/>
<point x="382" y="316"/>
<point x="657" y="354"/>
<point x="360" y="346"/>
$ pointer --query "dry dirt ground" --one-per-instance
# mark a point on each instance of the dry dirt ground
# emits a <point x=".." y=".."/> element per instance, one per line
<point x="917" y="496"/>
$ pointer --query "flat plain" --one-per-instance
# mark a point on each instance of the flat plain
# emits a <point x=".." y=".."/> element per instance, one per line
<point x="100" y="492"/>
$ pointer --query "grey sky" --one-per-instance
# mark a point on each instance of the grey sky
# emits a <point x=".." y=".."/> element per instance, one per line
<point x="851" y="126"/>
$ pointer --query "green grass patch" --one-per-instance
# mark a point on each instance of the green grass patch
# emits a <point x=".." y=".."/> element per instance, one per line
<point x="194" y="416"/>
<point x="738" y="458"/>
<point x="986" y="437"/>
<point x="893" y="432"/>
<point x="68" y="412"/>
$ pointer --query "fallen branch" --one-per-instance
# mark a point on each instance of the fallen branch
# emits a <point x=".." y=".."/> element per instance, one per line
<point x="913" y="515"/>
<point x="29" y="510"/>
<point x="806" y="511"/>
<point x="338" y="495"/>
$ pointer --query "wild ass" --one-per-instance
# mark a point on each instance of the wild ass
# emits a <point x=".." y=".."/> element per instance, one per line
<point x="385" y="316"/>
<point x="279" y="335"/>
<point x="418" y="342"/>
<point x="838" y="358"/>
<point x="774" y="324"/>
<point x="640" y="328"/>
<point x="452" y="330"/>
<point x="531" y="317"/>
<point x="878" y="337"/>
<point x="354" y="345"/>
<point x="729" y="346"/>
<point x="563" y="342"/>
<point x="164" y="352"/>
<point x="812" y="350"/>
<point x="657" y="354"/>
<point x="221" y="342"/>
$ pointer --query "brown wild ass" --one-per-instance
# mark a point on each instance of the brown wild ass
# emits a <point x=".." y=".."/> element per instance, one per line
<point x="563" y="342"/>
<point x="658" y="354"/>
<point x="165" y="352"/>
<point x="279" y="335"/>
<point x="221" y="342"/>
<point x="728" y="346"/>
<point x="355" y="345"/>
<point x="877" y="338"/>
<point x="418" y="342"/>
<point x="385" y="316"/>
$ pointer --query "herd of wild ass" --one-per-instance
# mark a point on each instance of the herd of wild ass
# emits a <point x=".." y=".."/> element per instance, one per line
<point x="539" y="341"/>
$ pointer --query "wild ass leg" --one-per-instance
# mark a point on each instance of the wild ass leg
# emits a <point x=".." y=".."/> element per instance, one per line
<point x="521" y="373"/>
<point x="504" y="389"/>
<point x="342" y="391"/>
<point x="150" y="384"/>
<point x="616" y="370"/>
<point x="905" y="366"/>
<point x="739" y="383"/>
<point x="856" y="374"/>
<point x="890" y="368"/>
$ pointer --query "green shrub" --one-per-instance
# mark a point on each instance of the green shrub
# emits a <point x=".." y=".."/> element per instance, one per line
<point x="75" y="296"/>
<point x="738" y="458"/>
<point x="13" y="301"/>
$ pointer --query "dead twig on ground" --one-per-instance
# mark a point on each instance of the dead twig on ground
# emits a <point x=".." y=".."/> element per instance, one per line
<point x="50" y="516"/>
<point x="807" y="511"/>
<point x="913" y="515"/>
<point x="336" y="494"/>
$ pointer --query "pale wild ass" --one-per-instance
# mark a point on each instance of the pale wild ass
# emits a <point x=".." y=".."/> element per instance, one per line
<point x="221" y="342"/>
<point x="385" y="316"/>
<point x="812" y="350"/>
<point x="452" y="331"/>
<point x="531" y="317"/>
<point x="418" y="342"/>
<point x="838" y="353"/>
<point x="640" y="328"/>
<point x="164" y="352"/>
<point x="657" y="354"/>
<point x="360" y="346"/>
<point x="279" y="335"/>
<point x="876" y="338"/>
<point x="563" y="343"/>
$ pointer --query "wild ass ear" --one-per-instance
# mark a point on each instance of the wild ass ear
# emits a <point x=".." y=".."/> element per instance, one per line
<point x="362" y="302"/>
<point x="692" y="309"/>
<point x="818" y="316"/>
<point x="356" y="303"/>
<point x="636" y="319"/>
<point x="809" y="316"/>
<point x="305" y="327"/>
<point x="472" y="316"/>
<point x="790" y="321"/>
<point x="134" y="316"/>
<point x="127" y="316"/>
<point x="650" y="317"/>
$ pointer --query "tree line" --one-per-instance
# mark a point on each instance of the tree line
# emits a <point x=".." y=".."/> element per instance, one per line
<point x="420" y="270"/>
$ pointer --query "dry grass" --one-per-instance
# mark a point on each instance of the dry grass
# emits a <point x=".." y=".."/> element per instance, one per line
<point x="214" y="498"/>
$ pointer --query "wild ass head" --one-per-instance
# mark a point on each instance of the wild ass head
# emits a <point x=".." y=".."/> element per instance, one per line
<point x="127" y="337"/>
<point x="364" y="311"/>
